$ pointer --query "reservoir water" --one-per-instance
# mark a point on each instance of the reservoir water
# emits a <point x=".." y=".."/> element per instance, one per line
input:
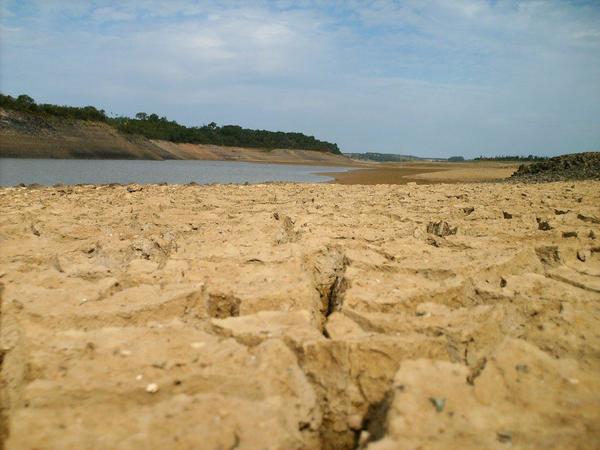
<point x="14" y="171"/>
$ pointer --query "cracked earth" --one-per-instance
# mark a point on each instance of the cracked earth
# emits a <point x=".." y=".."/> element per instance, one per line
<point x="286" y="316"/>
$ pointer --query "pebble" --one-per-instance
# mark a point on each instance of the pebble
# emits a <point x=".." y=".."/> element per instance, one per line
<point x="152" y="388"/>
<point x="438" y="403"/>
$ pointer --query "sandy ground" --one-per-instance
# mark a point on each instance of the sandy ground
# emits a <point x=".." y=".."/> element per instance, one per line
<point x="423" y="172"/>
<point x="287" y="316"/>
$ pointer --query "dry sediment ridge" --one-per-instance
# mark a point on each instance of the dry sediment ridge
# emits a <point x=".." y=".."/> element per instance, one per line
<point x="290" y="316"/>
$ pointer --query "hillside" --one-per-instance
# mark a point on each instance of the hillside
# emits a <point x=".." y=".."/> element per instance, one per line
<point x="24" y="135"/>
<point x="23" y="116"/>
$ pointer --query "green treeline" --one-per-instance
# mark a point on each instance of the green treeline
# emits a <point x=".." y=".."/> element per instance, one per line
<point x="26" y="104"/>
<point x="154" y="127"/>
<point x="511" y="158"/>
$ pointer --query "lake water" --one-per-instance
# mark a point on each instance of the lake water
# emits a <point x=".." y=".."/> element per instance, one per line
<point x="93" y="171"/>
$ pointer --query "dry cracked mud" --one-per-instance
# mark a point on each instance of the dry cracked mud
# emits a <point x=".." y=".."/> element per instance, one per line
<point x="287" y="316"/>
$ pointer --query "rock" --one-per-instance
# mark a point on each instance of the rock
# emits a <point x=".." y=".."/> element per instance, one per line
<point x="587" y="218"/>
<point x="583" y="254"/>
<point x="569" y="234"/>
<point x="507" y="215"/>
<point x="152" y="388"/>
<point x="576" y="166"/>
<point x="441" y="228"/>
<point x="543" y="224"/>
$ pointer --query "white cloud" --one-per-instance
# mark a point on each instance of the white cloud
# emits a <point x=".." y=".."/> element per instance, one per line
<point x="427" y="76"/>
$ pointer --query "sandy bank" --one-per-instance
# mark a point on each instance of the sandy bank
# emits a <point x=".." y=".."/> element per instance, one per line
<point x="290" y="316"/>
<point x="424" y="172"/>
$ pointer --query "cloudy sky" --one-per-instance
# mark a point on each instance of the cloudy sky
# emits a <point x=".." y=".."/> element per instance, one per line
<point x="424" y="77"/>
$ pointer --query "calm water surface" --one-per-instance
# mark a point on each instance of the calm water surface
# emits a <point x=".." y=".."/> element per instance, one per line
<point x="93" y="171"/>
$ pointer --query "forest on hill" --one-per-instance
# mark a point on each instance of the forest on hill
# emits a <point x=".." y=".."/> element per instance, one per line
<point x="152" y="126"/>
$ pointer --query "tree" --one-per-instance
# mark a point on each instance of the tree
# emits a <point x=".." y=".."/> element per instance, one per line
<point x="25" y="101"/>
<point x="141" y="116"/>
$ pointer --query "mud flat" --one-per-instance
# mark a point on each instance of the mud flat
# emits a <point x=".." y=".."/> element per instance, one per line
<point x="424" y="172"/>
<point x="290" y="316"/>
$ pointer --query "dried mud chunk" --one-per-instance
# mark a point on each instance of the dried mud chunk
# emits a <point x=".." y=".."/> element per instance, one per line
<point x="548" y="255"/>
<point x="287" y="233"/>
<point x="589" y="219"/>
<point x="144" y="247"/>
<point x="543" y="224"/>
<point x="441" y="228"/>
<point x="292" y="327"/>
<point x="221" y="306"/>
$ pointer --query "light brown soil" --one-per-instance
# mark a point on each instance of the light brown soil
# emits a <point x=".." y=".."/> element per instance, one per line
<point x="287" y="316"/>
<point x="423" y="172"/>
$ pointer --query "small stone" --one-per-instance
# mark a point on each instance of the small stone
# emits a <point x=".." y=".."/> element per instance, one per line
<point x="583" y="254"/>
<point x="543" y="224"/>
<point x="523" y="368"/>
<point x="197" y="344"/>
<point x="504" y="436"/>
<point x="152" y="388"/>
<point x="35" y="230"/>
<point x="438" y="403"/>
<point x="139" y="377"/>
<point x="503" y="282"/>
<point x="569" y="234"/>
<point x="125" y="353"/>
<point x="441" y="228"/>
<point x="507" y="215"/>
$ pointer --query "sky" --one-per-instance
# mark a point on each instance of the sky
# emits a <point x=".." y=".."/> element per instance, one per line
<point x="433" y="78"/>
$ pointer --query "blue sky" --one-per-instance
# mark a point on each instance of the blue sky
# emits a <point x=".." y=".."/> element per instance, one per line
<point x="428" y="77"/>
